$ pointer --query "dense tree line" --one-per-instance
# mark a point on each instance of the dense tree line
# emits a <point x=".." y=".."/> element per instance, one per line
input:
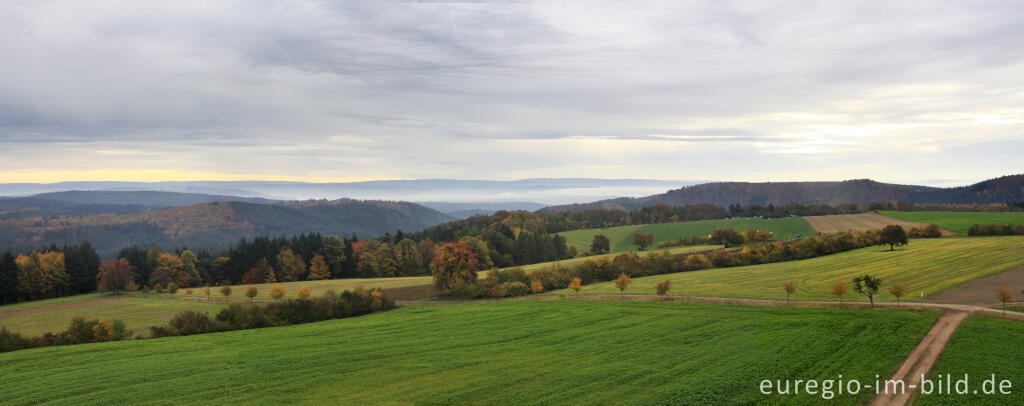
<point x="995" y="229"/>
<point x="50" y="272"/>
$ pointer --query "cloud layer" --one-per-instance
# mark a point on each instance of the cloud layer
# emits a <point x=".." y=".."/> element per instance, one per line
<point x="924" y="92"/>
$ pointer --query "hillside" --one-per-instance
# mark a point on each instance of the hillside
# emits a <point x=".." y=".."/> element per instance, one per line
<point x="216" y="225"/>
<point x="78" y="202"/>
<point x="859" y="191"/>
<point x="622" y="237"/>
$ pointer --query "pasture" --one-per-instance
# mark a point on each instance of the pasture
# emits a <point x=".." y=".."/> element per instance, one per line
<point x="316" y="288"/>
<point x="981" y="347"/>
<point x="958" y="221"/>
<point x="532" y="352"/>
<point x="926" y="265"/>
<point x="622" y="237"/>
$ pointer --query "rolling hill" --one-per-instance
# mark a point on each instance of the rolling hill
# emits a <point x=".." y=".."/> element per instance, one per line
<point x="858" y="191"/>
<point x="216" y="225"/>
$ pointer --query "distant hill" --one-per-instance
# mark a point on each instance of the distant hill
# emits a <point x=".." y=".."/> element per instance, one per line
<point x="217" y="225"/>
<point x="145" y="198"/>
<point x="859" y="191"/>
<point x="461" y="210"/>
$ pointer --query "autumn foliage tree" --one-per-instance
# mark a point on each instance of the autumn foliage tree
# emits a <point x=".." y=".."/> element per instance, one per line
<point x="303" y="293"/>
<point x="41" y="274"/>
<point x="318" y="269"/>
<point x="277" y="292"/>
<point x="642" y="240"/>
<point x="114" y="275"/>
<point x="252" y="277"/>
<point x="898" y="290"/>
<point x="838" y="289"/>
<point x="290" y="266"/>
<point x="868" y="286"/>
<point x="622" y="282"/>
<point x="790" y="288"/>
<point x="893" y="235"/>
<point x="226" y="291"/>
<point x="576" y="284"/>
<point x="600" y="245"/>
<point x="1004" y="295"/>
<point x="536" y="286"/>
<point x="251" y="292"/>
<point x="454" y="263"/>
<point x="663" y="287"/>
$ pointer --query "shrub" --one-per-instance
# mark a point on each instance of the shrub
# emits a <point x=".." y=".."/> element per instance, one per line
<point x="536" y="286"/>
<point x="172" y="288"/>
<point x="226" y="291"/>
<point x="303" y="293"/>
<point x="663" y="287"/>
<point x="515" y="288"/>
<point x="192" y="322"/>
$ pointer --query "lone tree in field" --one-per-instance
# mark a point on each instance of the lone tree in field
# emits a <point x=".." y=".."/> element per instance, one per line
<point x="114" y="275"/>
<point x="894" y="236"/>
<point x="663" y="287"/>
<point x="188" y="292"/>
<point x="622" y="282"/>
<point x="642" y="240"/>
<point x="303" y="293"/>
<point x="867" y="286"/>
<point x="226" y="291"/>
<point x="898" y="290"/>
<point x="576" y="284"/>
<point x="600" y="245"/>
<point x="790" y="288"/>
<point x="206" y="291"/>
<point x="838" y="289"/>
<point x="1004" y="296"/>
<point x="454" y="263"/>
<point x="251" y="292"/>
<point x="277" y="292"/>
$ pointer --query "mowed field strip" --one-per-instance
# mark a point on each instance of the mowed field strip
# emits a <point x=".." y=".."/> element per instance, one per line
<point x="859" y="222"/>
<point x="622" y="237"/>
<point x="958" y="221"/>
<point x="526" y="352"/>
<point x="928" y="265"/>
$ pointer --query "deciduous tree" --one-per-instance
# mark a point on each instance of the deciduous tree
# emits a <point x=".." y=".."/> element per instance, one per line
<point x="600" y="245"/>
<point x="303" y="293"/>
<point x="726" y="236"/>
<point x="622" y="282"/>
<point x="455" y="263"/>
<point x="790" y="288"/>
<point x="277" y="292"/>
<point x="838" y="289"/>
<point x="663" y="287"/>
<point x="576" y="284"/>
<point x="291" y="267"/>
<point x="536" y="286"/>
<point x="1004" y="296"/>
<point x="867" y="286"/>
<point x="252" y="277"/>
<point x="642" y="240"/>
<point x="114" y="275"/>
<point x="251" y="292"/>
<point x="226" y="291"/>
<point x="893" y="235"/>
<point x="898" y="290"/>
<point x="206" y="291"/>
<point x="318" y="268"/>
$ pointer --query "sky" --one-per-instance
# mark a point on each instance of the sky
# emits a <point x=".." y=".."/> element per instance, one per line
<point x="910" y="92"/>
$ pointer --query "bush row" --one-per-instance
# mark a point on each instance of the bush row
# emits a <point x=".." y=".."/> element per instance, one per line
<point x="79" y="332"/>
<point x="995" y="229"/>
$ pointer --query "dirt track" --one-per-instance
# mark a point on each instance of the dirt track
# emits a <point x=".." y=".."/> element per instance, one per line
<point x="983" y="290"/>
<point x="64" y="306"/>
<point x="859" y="222"/>
<point x="921" y="360"/>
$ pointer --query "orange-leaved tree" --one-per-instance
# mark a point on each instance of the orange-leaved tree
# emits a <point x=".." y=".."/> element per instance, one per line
<point x="663" y="287"/>
<point x="622" y="282"/>
<point x="206" y="291"/>
<point x="226" y="291"/>
<point x="898" y="290"/>
<point x="838" y="289"/>
<point x="536" y="286"/>
<point x="1004" y="296"/>
<point x="277" y="292"/>
<point x="453" y="264"/>
<point x="251" y="292"/>
<point x="115" y="275"/>
<point x="303" y="293"/>
<point x="576" y="284"/>
<point x="790" y="288"/>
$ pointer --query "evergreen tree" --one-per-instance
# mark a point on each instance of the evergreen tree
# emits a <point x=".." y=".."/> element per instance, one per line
<point x="8" y="279"/>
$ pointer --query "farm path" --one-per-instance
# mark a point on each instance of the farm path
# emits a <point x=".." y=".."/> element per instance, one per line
<point x="921" y="360"/>
<point x="63" y="306"/>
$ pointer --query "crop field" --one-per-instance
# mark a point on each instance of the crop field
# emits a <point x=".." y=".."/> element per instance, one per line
<point x="138" y="312"/>
<point x="574" y="261"/>
<point x="958" y="221"/>
<point x="622" y="237"/>
<point x="533" y="352"/>
<point x="926" y="265"/>
<point x="979" y="348"/>
<point x="858" y="222"/>
<point x="316" y="288"/>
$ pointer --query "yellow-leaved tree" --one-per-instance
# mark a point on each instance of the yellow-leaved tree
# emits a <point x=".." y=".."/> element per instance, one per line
<point x="277" y="292"/>
<point x="622" y="282"/>
<point x="838" y="289"/>
<point x="318" y="269"/>
<point x="251" y="292"/>
<point x="303" y="293"/>
<point x="536" y="286"/>
<point x="576" y="284"/>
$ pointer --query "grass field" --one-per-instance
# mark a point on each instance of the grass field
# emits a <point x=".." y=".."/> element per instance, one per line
<point x="536" y="352"/>
<point x="574" y="261"/>
<point x="957" y="221"/>
<point x="859" y="222"/>
<point x="622" y="237"/>
<point x="317" y="288"/>
<point x="138" y="313"/>
<point x="928" y="265"/>
<point x="981" y="347"/>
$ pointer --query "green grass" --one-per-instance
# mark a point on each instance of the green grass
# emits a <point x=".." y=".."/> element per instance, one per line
<point x="958" y="221"/>
<point x="316" y="288"/>
<point x="979" y="348"/>
<point x="928" y="265"/>
<point x="622" y="237"/>
<point x="536" y="352"/>
<point x="138" y="314"/>
<point x="574" y="261"/>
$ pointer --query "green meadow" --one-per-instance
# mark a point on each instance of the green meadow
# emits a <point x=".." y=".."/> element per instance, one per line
<point x="622" y="237"/>
<point x="524" y="352"/>
<point x="928" y="265"/>
<point x="957" y="221"/>
<point x="981" y="347"/>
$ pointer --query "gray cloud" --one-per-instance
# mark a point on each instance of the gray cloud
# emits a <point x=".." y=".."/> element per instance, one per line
<point x="323" y="90"/>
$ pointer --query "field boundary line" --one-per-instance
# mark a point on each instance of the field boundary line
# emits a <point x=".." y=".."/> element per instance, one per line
<point x="921" y="359"/>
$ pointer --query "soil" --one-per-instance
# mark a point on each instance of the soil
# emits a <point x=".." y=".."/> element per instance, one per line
<point x="860" y="222"/>
<point x="983" y="290"/>
<point x="63" y="306"/>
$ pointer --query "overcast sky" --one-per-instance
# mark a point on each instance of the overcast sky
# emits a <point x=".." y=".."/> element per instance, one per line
<point x="340" y="91"/>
